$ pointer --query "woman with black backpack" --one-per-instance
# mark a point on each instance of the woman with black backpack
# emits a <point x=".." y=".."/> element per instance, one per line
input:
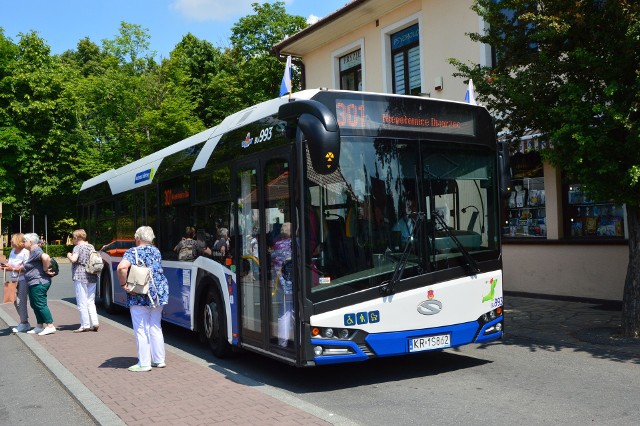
<point x="37" y="273"/>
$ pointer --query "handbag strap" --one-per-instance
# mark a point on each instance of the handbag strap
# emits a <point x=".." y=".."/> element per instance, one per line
<point x="156" y="302"/>
<point x="138" y="260"/>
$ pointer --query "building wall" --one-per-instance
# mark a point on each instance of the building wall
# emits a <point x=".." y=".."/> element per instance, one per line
<point x="442" y="30"/>
<point x="584" y="271"/>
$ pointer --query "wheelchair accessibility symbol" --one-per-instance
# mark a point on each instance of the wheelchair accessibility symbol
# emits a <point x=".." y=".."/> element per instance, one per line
<point x="370" y="317"/>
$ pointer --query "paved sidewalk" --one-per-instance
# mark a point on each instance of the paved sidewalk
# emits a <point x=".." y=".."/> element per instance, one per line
<point x="588" y="327"/>
<point x="93" y="367"/>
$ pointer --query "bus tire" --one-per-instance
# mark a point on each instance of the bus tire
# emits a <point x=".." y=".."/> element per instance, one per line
<point x="213" y="324"/>
<point x="106" y="291"/>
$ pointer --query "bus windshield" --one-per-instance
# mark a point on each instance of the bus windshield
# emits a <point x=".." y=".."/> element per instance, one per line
<point x="362" y="218"/>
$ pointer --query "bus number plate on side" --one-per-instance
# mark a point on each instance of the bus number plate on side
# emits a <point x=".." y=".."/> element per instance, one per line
<point x="429" y="343"/>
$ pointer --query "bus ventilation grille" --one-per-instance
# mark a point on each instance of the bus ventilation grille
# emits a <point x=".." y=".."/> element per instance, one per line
<point x="367" y="351"/>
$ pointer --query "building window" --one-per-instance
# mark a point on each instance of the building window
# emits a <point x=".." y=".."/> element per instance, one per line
<point x="351" y="71"/>
<point x="525" y="209"/>
<point x="405" y="63"/>
<point x="593" y="219"/>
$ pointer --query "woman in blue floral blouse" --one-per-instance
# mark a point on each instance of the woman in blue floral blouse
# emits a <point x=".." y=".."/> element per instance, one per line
<point x="146" y="310"/>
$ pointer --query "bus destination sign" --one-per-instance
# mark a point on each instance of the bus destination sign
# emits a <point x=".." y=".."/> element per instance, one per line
<point x="405" y="115"/>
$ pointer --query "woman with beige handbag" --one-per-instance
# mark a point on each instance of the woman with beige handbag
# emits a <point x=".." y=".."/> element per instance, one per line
<point x="145" y="301"/>
<point x="17" y="284"/>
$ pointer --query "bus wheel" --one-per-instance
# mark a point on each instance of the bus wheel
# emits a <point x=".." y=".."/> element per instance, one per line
<point x="106" y="290"/>
<point x="213" y="327"/>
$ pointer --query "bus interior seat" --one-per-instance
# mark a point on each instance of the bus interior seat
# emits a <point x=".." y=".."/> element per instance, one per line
<point x="339" y="246"/>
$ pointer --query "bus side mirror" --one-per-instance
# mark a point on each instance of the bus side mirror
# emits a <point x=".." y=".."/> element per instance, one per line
<point x="504" y="169"/>
<point x="319" y="127"/>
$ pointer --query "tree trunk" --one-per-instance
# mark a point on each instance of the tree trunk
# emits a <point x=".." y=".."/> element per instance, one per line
<point x="631" y="296"/>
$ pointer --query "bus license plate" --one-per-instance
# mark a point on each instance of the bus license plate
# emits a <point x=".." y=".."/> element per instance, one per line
<point x="429" y="343"/>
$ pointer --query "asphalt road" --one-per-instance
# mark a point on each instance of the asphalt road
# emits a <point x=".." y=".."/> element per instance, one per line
<point x="31" y="395"/>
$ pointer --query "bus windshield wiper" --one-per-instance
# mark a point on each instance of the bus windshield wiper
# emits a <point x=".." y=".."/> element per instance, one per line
<point x="472" y="265"/>
<point x="387" y="287"/>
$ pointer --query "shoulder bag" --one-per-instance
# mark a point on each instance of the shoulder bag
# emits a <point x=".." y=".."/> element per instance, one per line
<point x="139" y="277"/>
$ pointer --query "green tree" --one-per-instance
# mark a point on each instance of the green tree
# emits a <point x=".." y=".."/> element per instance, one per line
<point x="253" y="37"/>
<point x="131" y="47"/>
<point x="39" y="132"/>
<point x="10" y="136"/>
<point x="88" y="58"/>
<point x="211" y="75"/>
<point x="570" y="69"/>
<point x="132" y="106"/>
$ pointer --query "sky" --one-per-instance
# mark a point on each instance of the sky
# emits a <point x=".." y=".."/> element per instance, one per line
<point x="63" y="23"/>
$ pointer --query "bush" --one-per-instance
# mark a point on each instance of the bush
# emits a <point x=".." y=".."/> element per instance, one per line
<point x="55" y="250"/>
<point x="58" y="250"/>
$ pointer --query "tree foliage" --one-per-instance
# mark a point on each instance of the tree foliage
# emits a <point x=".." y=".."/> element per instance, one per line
<point x="570" y="70"/>
<point x="66" y="118"/>
<point x="252" y="38"/>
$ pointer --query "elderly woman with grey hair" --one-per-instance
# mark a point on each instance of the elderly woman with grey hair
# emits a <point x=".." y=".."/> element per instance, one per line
<point x="146" y="310"/>
<point x="38" y="277"/>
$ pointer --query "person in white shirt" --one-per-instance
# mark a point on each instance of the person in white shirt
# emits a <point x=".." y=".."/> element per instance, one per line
<point x="17" y="258"/>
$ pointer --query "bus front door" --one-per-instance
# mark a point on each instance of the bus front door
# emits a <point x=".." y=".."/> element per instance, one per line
<point x="265" y="234"/>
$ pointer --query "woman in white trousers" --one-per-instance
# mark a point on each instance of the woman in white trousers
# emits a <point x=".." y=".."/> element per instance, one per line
<point x="85" y="282"/>
<point x="146" y="310"/>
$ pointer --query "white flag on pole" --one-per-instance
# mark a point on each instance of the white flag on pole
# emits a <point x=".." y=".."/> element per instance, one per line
<point x="470" y="96"/>
<point x="285" y="86"/>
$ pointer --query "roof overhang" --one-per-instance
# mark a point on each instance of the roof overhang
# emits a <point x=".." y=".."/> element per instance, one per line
<point x="343" y="21"/>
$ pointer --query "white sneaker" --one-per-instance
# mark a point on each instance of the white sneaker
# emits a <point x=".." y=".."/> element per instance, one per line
<point x="36" y="330"/>
<point x="158" y="364"/>
<point x="21" y="328"/>
<point x="47" y="330"/>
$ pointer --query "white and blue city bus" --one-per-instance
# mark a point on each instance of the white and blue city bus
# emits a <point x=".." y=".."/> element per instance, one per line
<point x="360" y="225"/>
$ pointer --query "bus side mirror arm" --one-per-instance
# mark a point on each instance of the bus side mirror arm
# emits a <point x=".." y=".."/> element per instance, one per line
<point x="291" y="111"/>
<point x="320" y="128"/>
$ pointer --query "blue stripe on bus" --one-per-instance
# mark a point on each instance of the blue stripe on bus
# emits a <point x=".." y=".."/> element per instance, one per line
<point x="397" y="342"/>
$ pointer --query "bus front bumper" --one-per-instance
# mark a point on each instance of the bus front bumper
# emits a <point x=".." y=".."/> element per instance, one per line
<point x="333" y="351"/>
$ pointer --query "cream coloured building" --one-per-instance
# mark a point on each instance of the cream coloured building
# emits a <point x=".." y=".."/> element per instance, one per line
<point x="556" y="241"/>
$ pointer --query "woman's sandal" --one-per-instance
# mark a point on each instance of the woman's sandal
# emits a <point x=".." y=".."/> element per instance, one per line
<point x="81" y="330"/>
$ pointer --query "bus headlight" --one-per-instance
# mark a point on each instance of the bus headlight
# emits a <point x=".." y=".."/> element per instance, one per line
<point x="317" y="350"/>
<point x="344" y="333"/>
<point x="328" y="333"/>
<point x="490" y="316"/>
